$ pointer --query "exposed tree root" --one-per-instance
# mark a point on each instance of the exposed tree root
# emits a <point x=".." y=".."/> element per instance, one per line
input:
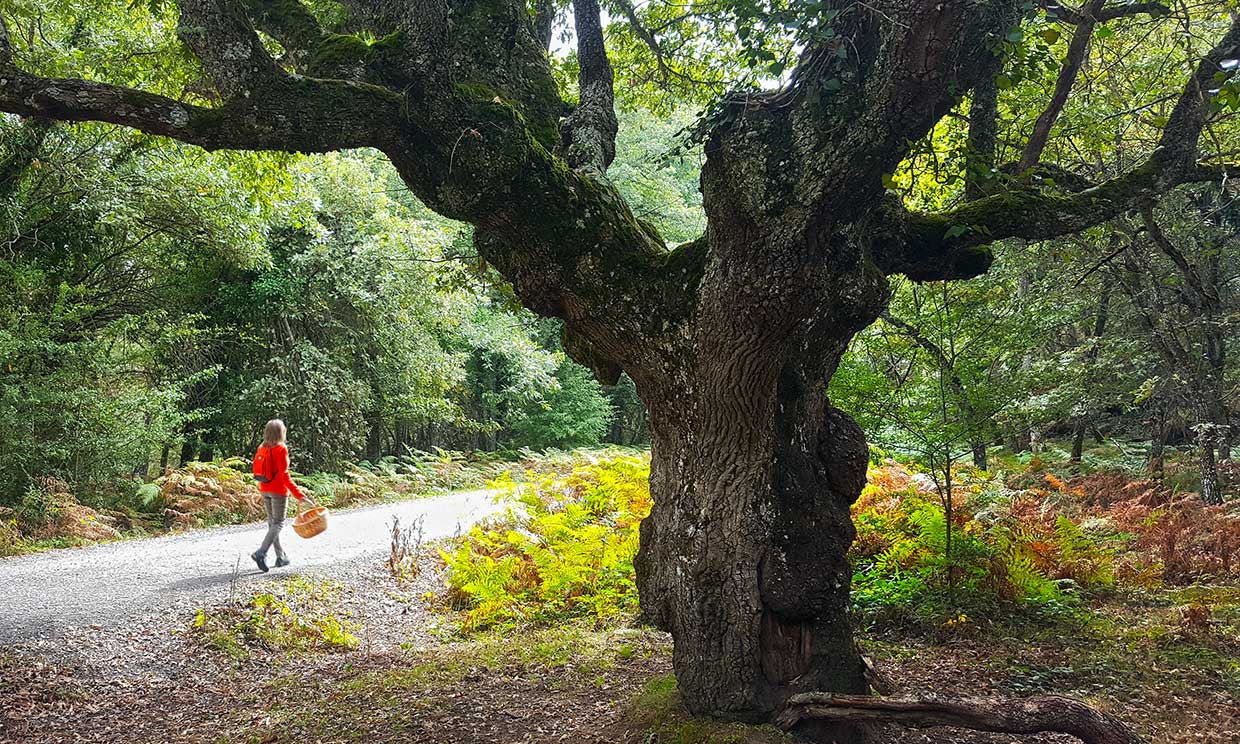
<point x="1049" y="713"/>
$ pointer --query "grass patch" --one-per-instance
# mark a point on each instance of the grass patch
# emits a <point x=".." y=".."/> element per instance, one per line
<point x="298" y="615"/>
<point x="405" y="695"/>
<point x="657" y="716"/>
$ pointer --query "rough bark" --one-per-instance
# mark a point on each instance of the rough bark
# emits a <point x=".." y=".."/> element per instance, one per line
<point x="590" y="131"/>
<point x="544" y="21"/>
<point x="980" y="170"/>
<point x="1208" y="467"/>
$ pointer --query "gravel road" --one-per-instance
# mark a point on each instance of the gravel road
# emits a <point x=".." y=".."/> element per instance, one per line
<point x="104" y="587"/>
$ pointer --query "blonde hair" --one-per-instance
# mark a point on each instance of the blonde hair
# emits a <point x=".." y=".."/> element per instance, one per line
<point x="274" y="432"/>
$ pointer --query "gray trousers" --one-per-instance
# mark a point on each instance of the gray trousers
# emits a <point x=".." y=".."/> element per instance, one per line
<point x="275" y="506"/>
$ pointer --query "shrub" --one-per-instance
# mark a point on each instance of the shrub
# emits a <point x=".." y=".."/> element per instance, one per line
<point x="11" y="540"/>
<point x="43" y="504"/>
<point x="564" y="549"/>
<point x="211" y="493"/>
<point x="1006" y="547"/>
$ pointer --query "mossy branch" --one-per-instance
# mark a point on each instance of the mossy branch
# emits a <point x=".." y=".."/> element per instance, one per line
<point x="951" y="245"/>
<point x="302" y="115"/>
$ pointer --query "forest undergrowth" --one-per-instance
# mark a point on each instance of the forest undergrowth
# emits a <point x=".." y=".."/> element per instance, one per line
<point x="1085" y="580"/>
<point x="1089" y="580"/>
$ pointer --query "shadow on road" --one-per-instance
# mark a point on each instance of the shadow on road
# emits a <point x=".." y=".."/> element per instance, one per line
<point x="243" y="576"/>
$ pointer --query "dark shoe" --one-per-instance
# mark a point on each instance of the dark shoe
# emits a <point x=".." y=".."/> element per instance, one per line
<point x="282" y="562"/>
<point x="261" y="560"/>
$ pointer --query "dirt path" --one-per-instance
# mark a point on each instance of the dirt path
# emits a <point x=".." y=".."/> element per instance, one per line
<point x="46" y="596"/>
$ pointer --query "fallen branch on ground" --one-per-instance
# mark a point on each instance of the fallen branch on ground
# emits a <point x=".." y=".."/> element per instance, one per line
<point x="1049" y="713"/>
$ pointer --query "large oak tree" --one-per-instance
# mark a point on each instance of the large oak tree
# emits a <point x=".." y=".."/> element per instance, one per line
<point x="730" y="338"/>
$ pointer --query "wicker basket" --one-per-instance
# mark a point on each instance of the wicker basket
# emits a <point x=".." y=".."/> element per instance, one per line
<point x="311" y="521"/>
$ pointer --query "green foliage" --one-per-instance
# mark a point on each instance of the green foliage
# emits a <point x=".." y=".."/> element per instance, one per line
<point x="39" y="507"/>
<point x="12" y="542"/>
<point x="659" y="182"/>
<point x="169" y="302"/>
<point x="564" y="549"/>
<point x="573" y="413"/>
<point x="1000" y="554"/>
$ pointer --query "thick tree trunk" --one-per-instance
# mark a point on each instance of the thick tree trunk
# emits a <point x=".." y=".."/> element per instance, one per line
<point x="744" y="556"/>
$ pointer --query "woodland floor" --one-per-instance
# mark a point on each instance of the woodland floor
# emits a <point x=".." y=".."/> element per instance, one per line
<point x="408" y="680"/>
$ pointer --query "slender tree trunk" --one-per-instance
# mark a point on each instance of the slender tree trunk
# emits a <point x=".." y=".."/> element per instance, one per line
<point x="979" y="455"/>
<point x="189" y="448"/>
<point x="948" y="520"/>
<point x="1208" y="437"/>
<point x="1078" y="441"/>
<point x="374" y="438"/>
<point x="1210" y="492"/>
<point x="1091" y="357"/>
<point x="1220" y="428"/>
<point x="1023" y="438"/>
<point x="1158" y="442"/>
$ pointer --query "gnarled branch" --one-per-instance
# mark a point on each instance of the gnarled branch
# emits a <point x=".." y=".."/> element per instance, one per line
<point x="290" y="23"/>
<point x="219" y="33"/>
<point x="1123" y="10"/>
<point x="1086" y="20"/>
<point x="1049" y="713"/>
<point x="303" y="125"/>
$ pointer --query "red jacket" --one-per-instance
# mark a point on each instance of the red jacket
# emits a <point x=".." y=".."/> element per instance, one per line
<point x="273" y="463"/>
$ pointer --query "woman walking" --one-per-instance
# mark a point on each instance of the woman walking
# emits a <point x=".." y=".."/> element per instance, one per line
<point x="271" y="471"/>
